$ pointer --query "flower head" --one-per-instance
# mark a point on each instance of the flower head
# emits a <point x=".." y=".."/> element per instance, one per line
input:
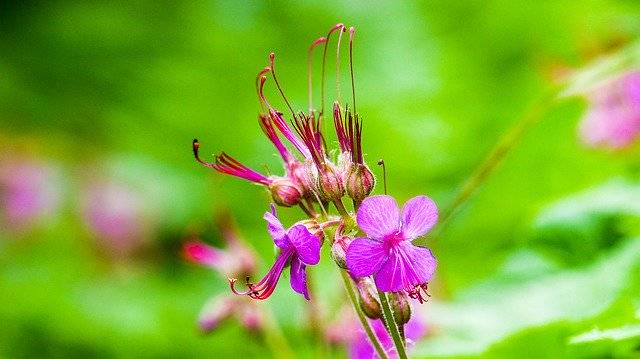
<point x="387" y="252"/>
<point x="298" y="248"/>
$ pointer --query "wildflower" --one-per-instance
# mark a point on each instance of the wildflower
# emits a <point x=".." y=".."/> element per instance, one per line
<point x="28" y="192"/>
<point x="297" y="248"/>
<point x="613" y="119"/>
<point x="387" y="253"/>
<point x="235" y="259"/>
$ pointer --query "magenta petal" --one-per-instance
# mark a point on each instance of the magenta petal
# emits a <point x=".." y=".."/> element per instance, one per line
<point x="299" y="277"/>
<point x="307" y="245"/>
<point x="203" y="254"/>
<point x="379" y="216"/>
<point x="275" y="228"/>
<point x="419" y="215"/>
<point x="365" y="257"/>
<point x="408" y="265"/>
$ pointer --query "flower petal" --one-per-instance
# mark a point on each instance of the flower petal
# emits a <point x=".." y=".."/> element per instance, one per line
<point x="275" y="228"/>
<point x="365" y="257"/>
<point x="408" y="265"/>
<point x="204" y="254"/>
<point x="307" y="245"/>
<point x="299" y="277"/>
<point x="379" y="216"/>
<point x="419" y="215"/>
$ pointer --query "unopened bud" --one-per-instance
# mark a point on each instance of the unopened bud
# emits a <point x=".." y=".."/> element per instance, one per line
<point x="360" y="182"/>
<point x="400" y="306"/>
<point x="330" y="182"/>
<point x="284" y="192"/>
<point x="369" y="301"/>
<point x="339" y="248"/>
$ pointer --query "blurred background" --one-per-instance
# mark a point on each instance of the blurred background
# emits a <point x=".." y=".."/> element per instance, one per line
<point x="99" y="103"/>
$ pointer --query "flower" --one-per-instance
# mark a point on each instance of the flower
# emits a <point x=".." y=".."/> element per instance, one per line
<point x="613" y="119"/>
<point x="298" y="248"/>
<point x="387" y="252"/>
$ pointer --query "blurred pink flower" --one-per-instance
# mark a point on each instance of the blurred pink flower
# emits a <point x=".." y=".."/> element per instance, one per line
<point x="29" y="190"/>
<point x="116" y="215"/>
<point x="347" y="330"/>
<point x="613" y="119"/>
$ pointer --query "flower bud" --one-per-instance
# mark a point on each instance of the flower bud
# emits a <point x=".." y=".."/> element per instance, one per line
<point x="359" y="182"/>
<point x="339" y="248"/>
<point x="369" y="301"/>
<point x="330" y="182"/>
<point x="284" y="192"/>
<point x="400" y="306"/>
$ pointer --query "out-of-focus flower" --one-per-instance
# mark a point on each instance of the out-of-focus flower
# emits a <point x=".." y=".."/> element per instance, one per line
<point x="29" y="190"/>
<point x="387" y="253"/>
<point x="297" y="247"/>
<point x="235" y="259"/>
<point x="116" y="215"/>
<point x="613" y="118"/>
<point x="347" y="331"/>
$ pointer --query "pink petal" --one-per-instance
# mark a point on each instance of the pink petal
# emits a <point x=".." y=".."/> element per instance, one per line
<point x="307" y="245"/>
<point x="203" y="254"/>
<point x="365" y="256"/>
<point x="379" y="216"/>
<point x="419" y="215"/>
<point x="299" y="277"/>
<point x="408" y="265"/>
<point x="275" y="228"/>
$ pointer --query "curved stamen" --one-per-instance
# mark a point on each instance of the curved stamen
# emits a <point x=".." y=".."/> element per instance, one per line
<point x="260" y="84"/>
<point x="314" y="44"/>
<point x="228" y="165"/>
<point x="263" y="289"/>
<point x="416" y="293"/>
<point x="272" y="57"/>
<point x="338" y="65"/>
<point x="267" y="127"/>
<point x="352" y="31"/>
<point x="324" y="61"/>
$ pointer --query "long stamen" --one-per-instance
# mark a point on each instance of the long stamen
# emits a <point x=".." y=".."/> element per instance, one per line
<point x="228" y="165"/>
<point x="352" y="31"/>
<point x="319" y="41"/>
<point x="384" y="174"/>
<point x="338" y="65"/>
<point x="324" y="61"/>
<point x="267" y="127"/>
<point x="260" y="85"/>
<point x="272" y="57"/>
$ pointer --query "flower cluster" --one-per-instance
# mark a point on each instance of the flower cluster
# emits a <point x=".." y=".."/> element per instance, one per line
<point x="375" y="244"/>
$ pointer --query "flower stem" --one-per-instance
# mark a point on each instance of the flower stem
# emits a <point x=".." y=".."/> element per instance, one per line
<point x="341" y="209"/>
<point x="363" y="320"/>
<point x="390" y="323"/>
<point x="508" y="141"/>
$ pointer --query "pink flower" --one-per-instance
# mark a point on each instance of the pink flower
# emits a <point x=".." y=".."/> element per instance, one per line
<point x="613" y="119"/>
<point x="387" y="252"/>
<point x="298" y="248"/>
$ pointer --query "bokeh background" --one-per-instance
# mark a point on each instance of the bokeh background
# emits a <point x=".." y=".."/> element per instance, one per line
<point x="99" y="103"/>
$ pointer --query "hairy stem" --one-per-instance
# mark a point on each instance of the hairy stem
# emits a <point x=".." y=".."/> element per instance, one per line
<point x="390" y="323"/>
<point x="363" y="320"/>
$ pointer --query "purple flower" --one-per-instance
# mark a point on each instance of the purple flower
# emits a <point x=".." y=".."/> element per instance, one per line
<point x="613" y="119"/>
<point x="298" y="248"/>
<point x="387" y="253"/>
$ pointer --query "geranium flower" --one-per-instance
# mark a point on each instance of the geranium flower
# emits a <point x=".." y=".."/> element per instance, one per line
<point x="387" y="252"/>
<point x="298" y="248"/>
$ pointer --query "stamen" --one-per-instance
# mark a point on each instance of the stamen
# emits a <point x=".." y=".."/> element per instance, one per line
<point x="260" y="84"/>
<point x="272" y="57"/>
<point x="228" y="165"/>
<point x="352" y="31"/>
<point x="324" y="61"/>
<point x="267" y="127"/>
<point x="266" y="286"/>
<point x="314" y="44"/>
<point x="338" y="65"/>
<point x="196" y="149"/>
<point x="384" y="174"/>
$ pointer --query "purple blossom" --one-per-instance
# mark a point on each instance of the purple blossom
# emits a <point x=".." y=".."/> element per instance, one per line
<point x="297" y="248"/>
<point x="387" y="252"/>
<point x="613" y="119"/>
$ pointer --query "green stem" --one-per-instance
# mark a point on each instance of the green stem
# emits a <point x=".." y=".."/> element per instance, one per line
<point x="363" y="320"/>
<point x="498" y="153"/>
<point x="390" y="323"/>
<point x="274" y="338"/>
<point x="341" y="209"/>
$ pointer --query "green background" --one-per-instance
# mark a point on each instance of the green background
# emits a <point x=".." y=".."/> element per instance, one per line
<point x="545" y="251"/>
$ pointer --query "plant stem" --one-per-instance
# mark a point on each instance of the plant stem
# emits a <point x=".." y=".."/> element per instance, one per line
<point x="363" y="320"/>
<point x="274" y="338"/>
<point x="341" y="209"/>
<point x="508" y="141"/>
<point x="390" y="323"/>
